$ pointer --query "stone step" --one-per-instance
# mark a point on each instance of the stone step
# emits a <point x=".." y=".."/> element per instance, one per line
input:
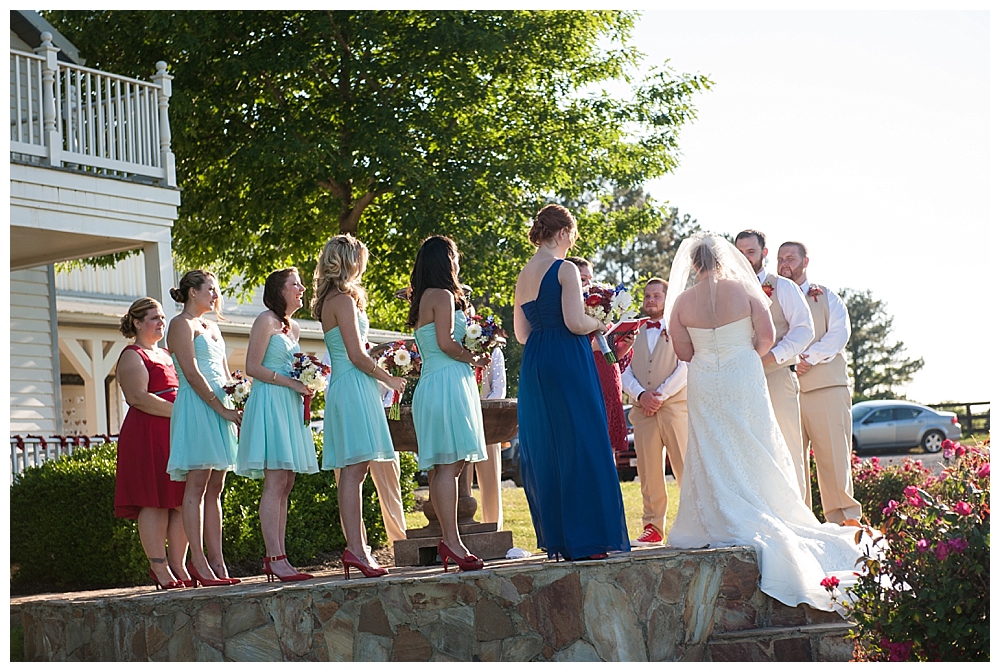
<point x="826" y="642"/>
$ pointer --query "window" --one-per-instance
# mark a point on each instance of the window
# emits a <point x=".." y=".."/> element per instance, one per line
<point x="906" y="413"/>
<point x="881" y="415"/>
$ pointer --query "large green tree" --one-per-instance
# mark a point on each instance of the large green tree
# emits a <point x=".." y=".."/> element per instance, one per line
<point x="877" y="364"/>
<point x="292" y="126"/>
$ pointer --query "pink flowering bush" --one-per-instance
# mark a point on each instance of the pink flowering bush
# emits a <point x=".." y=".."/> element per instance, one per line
<point x="923" y="594"/>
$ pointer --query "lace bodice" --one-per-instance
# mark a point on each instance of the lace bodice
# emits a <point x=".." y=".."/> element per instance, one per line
<point x="715" y="347"/>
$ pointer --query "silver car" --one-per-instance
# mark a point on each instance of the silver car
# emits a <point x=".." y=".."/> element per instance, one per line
<point x="901" y="424"/>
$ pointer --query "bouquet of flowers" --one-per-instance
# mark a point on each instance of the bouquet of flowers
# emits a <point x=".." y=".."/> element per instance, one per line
<point x="607" y="303"/>
<point x="312" y="373"/>
<point x="482" y="335"/>
<point x="399" y="359"/>
<point x="237" y="389"/>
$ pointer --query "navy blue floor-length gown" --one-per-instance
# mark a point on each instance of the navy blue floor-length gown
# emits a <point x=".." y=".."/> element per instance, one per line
<point x="567" y="464"/>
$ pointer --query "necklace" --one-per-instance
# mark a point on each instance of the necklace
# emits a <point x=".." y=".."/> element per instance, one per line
<point x="203" y="323"/>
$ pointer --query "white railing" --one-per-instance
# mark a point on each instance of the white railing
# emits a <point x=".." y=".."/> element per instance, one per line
<point x="33" y="451"/>
<point x="69" y="115"/>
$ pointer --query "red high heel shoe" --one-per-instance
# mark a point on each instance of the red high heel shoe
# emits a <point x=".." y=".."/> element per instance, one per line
<point x="166" y="586"/>
<point x="467" y="564"/>
<point x="351" y="560"/>
<point x="195" y="576"/>
<point x="271" y="576"/>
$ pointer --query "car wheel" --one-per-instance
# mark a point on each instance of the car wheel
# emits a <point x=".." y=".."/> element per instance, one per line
<point x="627" y="475"/>
<point x="931" y="442"/>
<point x="854" y="444"/>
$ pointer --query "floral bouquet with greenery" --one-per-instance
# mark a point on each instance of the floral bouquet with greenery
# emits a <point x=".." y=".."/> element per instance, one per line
<point x="313" y="373"/>
<point x="399" y="358"/>
<point x="237" y="389"/>
<point x="607" y="304"/>
<point x="482" y="334"/>
<point x="923" y="592"/>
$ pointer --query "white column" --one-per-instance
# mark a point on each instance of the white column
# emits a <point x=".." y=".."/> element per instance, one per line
<point x="50" y="67"/>
<point x="93" y="358"/>
<point x="162" y="79"/>
<point x="160" y="274"/>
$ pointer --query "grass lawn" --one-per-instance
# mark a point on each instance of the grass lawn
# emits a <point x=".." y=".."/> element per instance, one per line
<point x="517" y="519"/>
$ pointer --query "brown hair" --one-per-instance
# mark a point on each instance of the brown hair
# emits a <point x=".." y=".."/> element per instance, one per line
<point x="800" y="246"/>
<point x="195" y="279"/>
<point x="752" y="233"/>
<point x="433" y="269"/>
<point x="549" y="221"/>
<point x="340" y="267"/>
<point x="580" y="262"/>
<point x="703" y="256"/>
<point x="274" y="299"/>
<point x="136" y="313"/>
<point x="656" y="281"/>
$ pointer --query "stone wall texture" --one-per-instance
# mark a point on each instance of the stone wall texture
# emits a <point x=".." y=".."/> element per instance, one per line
<point x="655" y="604"/>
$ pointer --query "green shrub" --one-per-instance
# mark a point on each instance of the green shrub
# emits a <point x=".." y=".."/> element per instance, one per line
<point x="923" y="592"/>
<point x="64" y="534"/>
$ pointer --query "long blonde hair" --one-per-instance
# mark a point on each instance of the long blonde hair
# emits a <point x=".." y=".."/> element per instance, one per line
<point x="340" y="267"/>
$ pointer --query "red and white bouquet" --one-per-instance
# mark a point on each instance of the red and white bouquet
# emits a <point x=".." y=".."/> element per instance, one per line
<point x="607" y="304"/>
<point x="482" y="334"/>
<point x="311" y="372"/>
<point x="237" y="389"/>
<point x="399" y="358"/>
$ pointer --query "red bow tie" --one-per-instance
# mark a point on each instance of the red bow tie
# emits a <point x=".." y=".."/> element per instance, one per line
<point x="652" y="324"/>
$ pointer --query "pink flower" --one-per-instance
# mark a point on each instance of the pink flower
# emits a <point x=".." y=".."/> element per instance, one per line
<point x="957" y="545"/>
<point x="900" y="651"/>
<point x="910" y="490"/>
<point x="941" y="550"/>
<point x="915" y="501"/>
<point x="923" y="546"/>
<point x="948" y="444"/>
<point x="984" y="470"/>
<point x="948" y="453"/>
<point x="960" y="450"/>
<point x="963" y="508"/>
<point x="830" y="583"/>
<point x="875" y="460"/>
<point x="890" y="507"/>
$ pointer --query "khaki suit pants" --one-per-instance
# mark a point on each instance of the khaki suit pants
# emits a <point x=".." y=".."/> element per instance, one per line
<point x="783" y="388"/>
<point x="663" y="434"/>
<point x="488" y="478"/>
<point x="385" y="476"/>
<point x="826" y="427"/>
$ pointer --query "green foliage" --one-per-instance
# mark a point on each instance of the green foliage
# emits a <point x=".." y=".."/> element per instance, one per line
<point x="65" y="535"/>
<point x="924" y="592"/>
<point x="292" y="126"/>
<point x="877" y="364"/>
<point x="63" y="532"/>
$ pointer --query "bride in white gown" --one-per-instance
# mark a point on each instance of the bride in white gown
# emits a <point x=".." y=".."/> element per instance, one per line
<point x="740" y="487"/>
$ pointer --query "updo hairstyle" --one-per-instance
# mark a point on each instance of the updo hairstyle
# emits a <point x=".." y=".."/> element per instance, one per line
<point x="274" y="297"/>
<point x="136" y="313"/>
<point x="339" y="268"/>
<point x="704" y="256"/>
<point x="549" y="221"/>
<point x="195" y="279"/>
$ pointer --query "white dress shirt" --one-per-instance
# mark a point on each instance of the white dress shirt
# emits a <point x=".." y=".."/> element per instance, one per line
<point x="796" y="312"/>
<point x="674" y="383"/>
<point x="838" y="331"/>
<point x="495" y="377"/>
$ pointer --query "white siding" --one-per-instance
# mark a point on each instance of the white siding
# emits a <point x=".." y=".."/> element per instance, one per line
<point x="32" y="373"/>
<point x="126" y="278"/>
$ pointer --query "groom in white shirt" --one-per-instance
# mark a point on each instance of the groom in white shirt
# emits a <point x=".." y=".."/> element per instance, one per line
<point x="656" y="381"/>
<point x="826" y="396"/>
<point x="793" y="332"/>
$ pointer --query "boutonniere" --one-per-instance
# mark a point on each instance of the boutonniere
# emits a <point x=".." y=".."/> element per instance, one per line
<point x="666" y="336"/>
<point x="768" y="289"/>
<point x="814" y="292"/>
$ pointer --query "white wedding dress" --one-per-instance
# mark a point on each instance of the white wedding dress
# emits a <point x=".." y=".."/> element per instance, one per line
<point x="740" y="488"/>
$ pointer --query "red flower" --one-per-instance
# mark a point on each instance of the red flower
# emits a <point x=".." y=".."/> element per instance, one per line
<point x="948" y="444"/>
<point x="768" y="288"/>
<point x="890" y="507"/>
<point x="963" y="509"/>
<point x="830" y="583"/>
<point x="594" y="300"/>
<point x="910" y="491"/>
<point x="941" y="550"/>
<point x="814" y="292"/>
<point x="984" y="470"/>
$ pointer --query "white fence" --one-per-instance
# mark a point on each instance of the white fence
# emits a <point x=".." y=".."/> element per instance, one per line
<point x="33" y="451"/>
<point x="69" y="115"/>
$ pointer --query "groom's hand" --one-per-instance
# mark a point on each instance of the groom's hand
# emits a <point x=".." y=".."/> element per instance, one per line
<point x="650" y="402"/>
<point x="802" y="366"/>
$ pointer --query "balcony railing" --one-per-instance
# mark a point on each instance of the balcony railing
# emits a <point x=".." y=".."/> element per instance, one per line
<point x="68" y="115"/>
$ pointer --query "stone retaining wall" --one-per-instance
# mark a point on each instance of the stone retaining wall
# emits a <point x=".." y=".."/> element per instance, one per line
<point x="654" y="604"/>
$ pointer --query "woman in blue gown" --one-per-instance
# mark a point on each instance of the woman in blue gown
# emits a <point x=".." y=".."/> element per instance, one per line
<point x="567" y="464"/>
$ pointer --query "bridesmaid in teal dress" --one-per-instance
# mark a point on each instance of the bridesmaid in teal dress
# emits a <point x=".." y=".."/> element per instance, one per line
<point x="447" y="414"/>
<point x="275" y="443"/>
<point x="355" y="429"/>
<point x="202" y="424"/>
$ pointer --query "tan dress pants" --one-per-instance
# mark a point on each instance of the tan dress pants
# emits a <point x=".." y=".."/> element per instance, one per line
<point x="783" y="388"/>
<point x="385" y="476"/>
<point x="488" y="478"/>
<point x="826" y="428"/>
<point x="657" y="436"/>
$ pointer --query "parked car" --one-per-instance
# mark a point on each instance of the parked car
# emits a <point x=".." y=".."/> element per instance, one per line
<point x="625" y="459"/>
<point x="510" y="461"/>
<point x="901" y="424"/>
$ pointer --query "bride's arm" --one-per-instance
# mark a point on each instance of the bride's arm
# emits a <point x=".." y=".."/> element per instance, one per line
<point x="763" y="327"/>
<point x="679" y="335"/>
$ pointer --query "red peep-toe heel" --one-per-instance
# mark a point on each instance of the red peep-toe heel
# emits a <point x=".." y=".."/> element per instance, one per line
<point x="271" y="576"/>
<point x="166" y="586"/>
<point x="467" y="564"/>
<point x="351" y="560"/>
<point x="207" y="582"/>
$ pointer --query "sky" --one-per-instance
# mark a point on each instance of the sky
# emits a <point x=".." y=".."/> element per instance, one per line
<point x="865" y="135"/>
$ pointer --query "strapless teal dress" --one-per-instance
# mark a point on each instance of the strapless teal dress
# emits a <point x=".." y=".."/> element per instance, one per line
<point x="355" y="428"/>
<point x="273" y="435"/>
<point x="447" y="415"/>
<point x="199" y="437"/>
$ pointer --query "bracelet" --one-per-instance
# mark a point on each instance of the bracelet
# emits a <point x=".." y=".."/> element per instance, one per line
<point x="274" y="376"/>
<point x="374" y="366"/>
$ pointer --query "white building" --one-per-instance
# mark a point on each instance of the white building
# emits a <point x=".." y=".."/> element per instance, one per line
<point x="91" y="173"/>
